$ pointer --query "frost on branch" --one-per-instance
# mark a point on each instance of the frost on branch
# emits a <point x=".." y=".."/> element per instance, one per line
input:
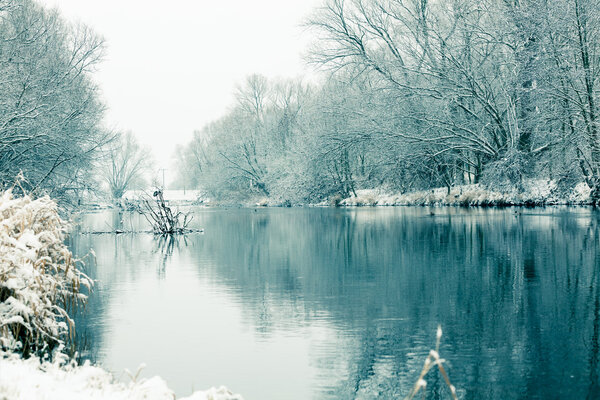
<point x="39" y="279"/>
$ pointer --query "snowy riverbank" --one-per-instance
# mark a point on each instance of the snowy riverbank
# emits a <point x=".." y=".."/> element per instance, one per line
<point x="535" y="193"/>
<point x="34" y="379"/>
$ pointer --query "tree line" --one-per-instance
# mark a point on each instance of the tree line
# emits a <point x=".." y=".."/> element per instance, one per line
<point x="417" y="94"/>
<point x="414" y="94"/>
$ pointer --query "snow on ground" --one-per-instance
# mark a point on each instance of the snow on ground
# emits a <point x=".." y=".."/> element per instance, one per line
<point x="179" y="196"/>
<point x="33" y="379"/>
<point x="536" y="192"/>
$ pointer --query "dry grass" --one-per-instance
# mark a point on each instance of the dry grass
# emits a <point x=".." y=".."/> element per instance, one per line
<point x="39" y="279"/>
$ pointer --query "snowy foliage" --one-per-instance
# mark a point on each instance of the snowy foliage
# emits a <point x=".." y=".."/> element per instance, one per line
<point x="39" y="279"/>
<point x="37" y="379"/>
<point x="533" y="192"/>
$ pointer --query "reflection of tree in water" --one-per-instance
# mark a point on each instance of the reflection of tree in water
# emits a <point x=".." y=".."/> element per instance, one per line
<point x="594" y="303"/>
<point x="165" y="245"/>
<point x="516" y="294"/>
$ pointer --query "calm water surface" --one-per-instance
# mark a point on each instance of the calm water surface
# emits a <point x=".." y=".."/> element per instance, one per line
<point x="344" y="303"/>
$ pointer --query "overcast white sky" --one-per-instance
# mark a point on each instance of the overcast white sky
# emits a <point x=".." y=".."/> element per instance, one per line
<point x="172" y="66"/>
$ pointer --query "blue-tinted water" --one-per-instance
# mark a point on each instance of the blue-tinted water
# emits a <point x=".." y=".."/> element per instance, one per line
<point x="344" y="303"/>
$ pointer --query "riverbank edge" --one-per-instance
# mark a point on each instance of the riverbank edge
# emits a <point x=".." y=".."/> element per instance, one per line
<point x="534" y="193"/>
<point x="33" y="378"/>
<point x="538" y="193"/>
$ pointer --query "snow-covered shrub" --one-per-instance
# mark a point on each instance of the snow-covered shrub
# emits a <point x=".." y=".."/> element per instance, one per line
<point x="39" y="279"/>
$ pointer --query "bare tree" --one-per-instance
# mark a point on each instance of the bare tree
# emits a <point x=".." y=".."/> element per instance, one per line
<point x="451" y="64"/>
<point x="127" y="163"/>
<point x="574" y="45"/>
<point x="240" y="139"/>
<point x="50" y="111"/>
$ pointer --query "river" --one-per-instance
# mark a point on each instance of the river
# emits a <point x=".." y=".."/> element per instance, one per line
<point x="323" y="303"/>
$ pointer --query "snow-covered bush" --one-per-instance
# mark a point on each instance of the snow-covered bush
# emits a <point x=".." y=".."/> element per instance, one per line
<point x="39" y="279"/>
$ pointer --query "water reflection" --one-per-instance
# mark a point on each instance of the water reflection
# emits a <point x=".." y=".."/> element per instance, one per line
<point x="330" y="303"/>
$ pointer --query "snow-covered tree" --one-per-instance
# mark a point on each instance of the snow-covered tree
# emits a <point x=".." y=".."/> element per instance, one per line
<point x="50" y="110"/>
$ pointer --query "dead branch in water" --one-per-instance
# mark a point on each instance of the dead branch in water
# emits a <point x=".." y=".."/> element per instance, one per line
<point x="160" y="216"/>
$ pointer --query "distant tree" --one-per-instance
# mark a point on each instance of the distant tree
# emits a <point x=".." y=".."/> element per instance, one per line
<point x="253" y="149"/>
<point x="127" y="164"/>
<point x="231" y="153"/>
